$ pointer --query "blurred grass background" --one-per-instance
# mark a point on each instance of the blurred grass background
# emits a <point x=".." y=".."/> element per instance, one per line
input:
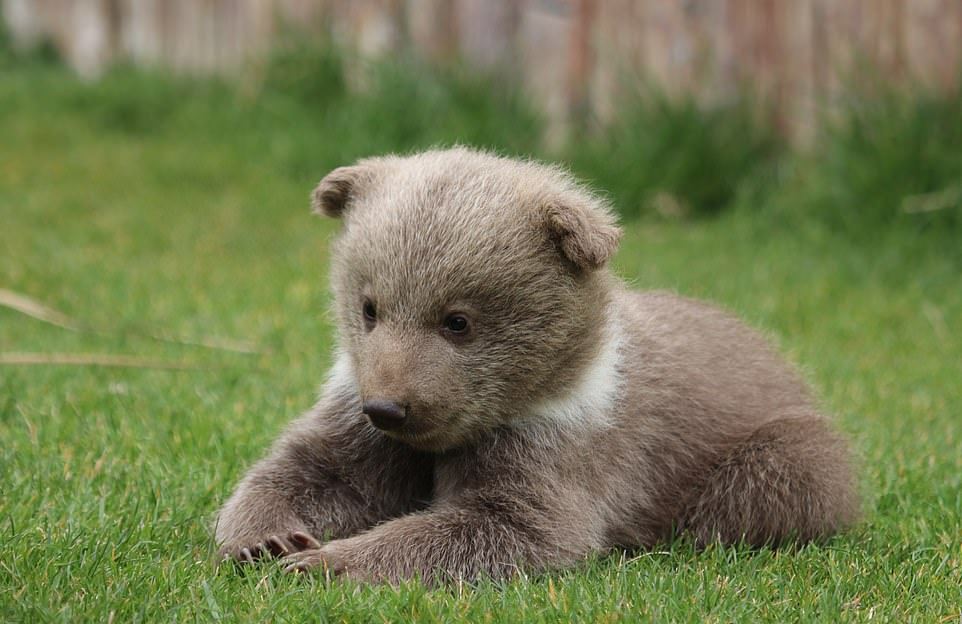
<point x="145" y="204"/>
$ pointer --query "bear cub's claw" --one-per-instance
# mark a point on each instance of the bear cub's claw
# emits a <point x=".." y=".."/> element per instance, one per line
<point x="316" y="559"/>
<point x="275" y="546"/>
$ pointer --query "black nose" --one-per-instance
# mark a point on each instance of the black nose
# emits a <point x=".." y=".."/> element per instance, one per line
<point x="384" y="414"/>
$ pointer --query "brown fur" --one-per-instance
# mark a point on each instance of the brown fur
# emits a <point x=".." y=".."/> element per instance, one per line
<point x="575" y="417"/>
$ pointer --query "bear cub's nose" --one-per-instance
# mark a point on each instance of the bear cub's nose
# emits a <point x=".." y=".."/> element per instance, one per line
<point x="385" y="415"/>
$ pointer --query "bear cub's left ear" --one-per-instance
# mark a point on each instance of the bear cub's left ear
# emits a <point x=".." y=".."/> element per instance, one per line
<point x="584" y="230"/>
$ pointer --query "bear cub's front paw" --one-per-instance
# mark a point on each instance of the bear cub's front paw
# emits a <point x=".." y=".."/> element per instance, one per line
<point x="274" y="546"/>
<point x="325" y="559"/>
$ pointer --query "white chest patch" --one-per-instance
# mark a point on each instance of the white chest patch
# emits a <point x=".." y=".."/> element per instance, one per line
<point x="340" y="377"/>
<point x="587" y="403"/>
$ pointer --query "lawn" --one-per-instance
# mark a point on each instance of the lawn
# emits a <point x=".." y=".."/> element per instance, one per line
<point x="157" y="213"/>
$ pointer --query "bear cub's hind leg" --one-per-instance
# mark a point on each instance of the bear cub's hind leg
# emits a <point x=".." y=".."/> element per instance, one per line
<point x="790" y="480"/>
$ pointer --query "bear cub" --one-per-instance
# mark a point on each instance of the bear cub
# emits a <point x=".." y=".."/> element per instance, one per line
<point x="500" y="401"/>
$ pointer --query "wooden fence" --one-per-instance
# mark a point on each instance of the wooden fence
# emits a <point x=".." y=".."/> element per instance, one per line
<point x="570" y="55"/>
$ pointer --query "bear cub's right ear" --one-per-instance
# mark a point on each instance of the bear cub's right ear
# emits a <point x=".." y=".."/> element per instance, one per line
<point x="335" y="192"/>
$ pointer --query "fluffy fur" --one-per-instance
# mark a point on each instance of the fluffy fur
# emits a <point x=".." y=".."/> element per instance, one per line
<point x="574" y="416"/>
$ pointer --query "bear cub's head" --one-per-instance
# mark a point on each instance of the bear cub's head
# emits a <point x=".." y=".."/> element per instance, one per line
<point x="469" y="289"/>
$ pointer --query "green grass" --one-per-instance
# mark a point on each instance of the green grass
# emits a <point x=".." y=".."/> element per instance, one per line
<point x="673" y="157"/>
<point x="144" y="205"/>
<point x="892" y="159"/>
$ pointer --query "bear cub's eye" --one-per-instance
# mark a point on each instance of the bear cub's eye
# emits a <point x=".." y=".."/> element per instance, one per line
<point x="370" y="313"/>
<point x="457" y="325"/>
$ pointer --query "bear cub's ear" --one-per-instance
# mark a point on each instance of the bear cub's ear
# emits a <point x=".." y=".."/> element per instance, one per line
<point x="584" y="230"/>
<point x="335" y="191"/>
